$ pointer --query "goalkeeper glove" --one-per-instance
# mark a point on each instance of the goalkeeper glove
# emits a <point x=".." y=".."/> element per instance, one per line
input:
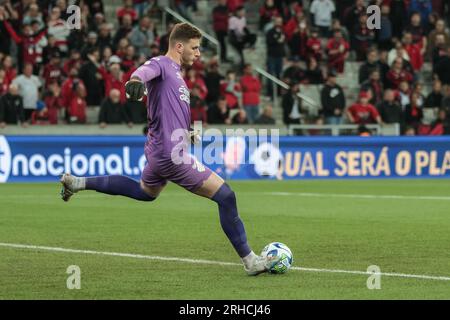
<point x="135" y="90"/>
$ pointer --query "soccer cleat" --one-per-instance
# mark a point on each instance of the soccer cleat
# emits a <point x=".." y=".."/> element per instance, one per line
<point x="259" y="265"/>
<point x="71" y="185"/>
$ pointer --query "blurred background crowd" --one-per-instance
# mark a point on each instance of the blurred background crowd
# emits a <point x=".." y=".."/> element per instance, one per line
<point x="52" y="73"/>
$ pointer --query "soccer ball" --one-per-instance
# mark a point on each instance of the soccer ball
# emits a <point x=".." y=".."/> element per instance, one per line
<point x="279" y="255"/>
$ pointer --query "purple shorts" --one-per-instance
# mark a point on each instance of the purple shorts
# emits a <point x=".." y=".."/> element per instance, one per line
<point x="158" y="171"/>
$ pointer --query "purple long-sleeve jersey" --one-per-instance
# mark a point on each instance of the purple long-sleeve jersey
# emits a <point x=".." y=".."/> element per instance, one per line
<point x="168" y="107"/>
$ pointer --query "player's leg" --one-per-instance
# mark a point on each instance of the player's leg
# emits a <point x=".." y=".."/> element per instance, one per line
<point x="147" y="189"/>
<point x="216" y="189"/>
<point x="202" y="181"/>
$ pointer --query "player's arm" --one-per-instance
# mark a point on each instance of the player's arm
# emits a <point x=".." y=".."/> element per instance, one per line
<point x="135" y="87"/>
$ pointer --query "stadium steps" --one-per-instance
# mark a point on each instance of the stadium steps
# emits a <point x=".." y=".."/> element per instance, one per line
<point x="110" y="7"/>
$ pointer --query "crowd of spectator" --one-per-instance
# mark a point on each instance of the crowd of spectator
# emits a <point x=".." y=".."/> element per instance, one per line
<point x="52" y="73"/>
<point x="391" y="78"/>
<point x="308" y="42"/>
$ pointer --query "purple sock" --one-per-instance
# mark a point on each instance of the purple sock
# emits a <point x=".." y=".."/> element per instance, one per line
<point x="118" y="186"/>
<point x="229" y="219"/>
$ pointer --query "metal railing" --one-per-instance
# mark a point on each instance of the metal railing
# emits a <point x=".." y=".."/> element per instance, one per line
<point x="276" y="81"/>
<point x="381" y="130"/>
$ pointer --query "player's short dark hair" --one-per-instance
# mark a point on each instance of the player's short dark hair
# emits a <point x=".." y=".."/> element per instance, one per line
<point x="184" y="32"/>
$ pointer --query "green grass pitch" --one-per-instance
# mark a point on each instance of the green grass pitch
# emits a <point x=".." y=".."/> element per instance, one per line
<point x="408" y="235"/>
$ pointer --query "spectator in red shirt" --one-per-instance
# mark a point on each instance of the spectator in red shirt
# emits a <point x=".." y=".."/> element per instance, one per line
<point x="68" y="89"/>
<point x="193" y="79"/>
<point x="74" y="61"/>
<point x="53" y="71"/>
<point x="27" y="41"/>
<point x="418" y="32"/>
<point x="413" y="50"/>
<point x="115" y="78"/>
<point x="413" y="112"/>
<point x="314" y="45"/>
<point x="198" y="106"/>
<point x="53" y="102"/>
<point x="363" y="112"/>
<point x="127" y="9"/>
<point x="129" y="59"/>
<point x="396" y="74"/>
<point x="338" y="50"/>
<point x="231" y="89"/>
<point x="251" y="91"/>
<point x="435" y="127"/>
<point x="121" y="48"/>
<point x="233" y="5"/>
<point x="3" y="85"/>
<point x="77" y="107"/>
<point x="292" y="24"/>
<point x="266" y="13"/>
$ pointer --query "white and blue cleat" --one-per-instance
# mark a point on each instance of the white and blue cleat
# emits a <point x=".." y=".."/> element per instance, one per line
<point x="258" y="265"/>
<point x="70" y="185"/>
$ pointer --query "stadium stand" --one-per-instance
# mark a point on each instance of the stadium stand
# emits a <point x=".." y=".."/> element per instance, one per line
<point x="53" y="73"/>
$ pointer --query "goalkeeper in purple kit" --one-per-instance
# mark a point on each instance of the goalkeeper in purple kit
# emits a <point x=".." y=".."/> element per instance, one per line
<point x="167" y="159"/>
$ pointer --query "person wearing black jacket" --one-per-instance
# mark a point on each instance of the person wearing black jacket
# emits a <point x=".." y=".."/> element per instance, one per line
<point x="434" y="98"/>
<point x="313" y="74"/>
<point x="136" y="111"/>
<point x="367" y="67"/>
<point x="294" y="73"/>
<point x="276" y="41"/>
<point x="112" y="111"/>
<point x="292" y="105"/>
<point x="442" y="68"/>
<point x="11" y="107"/>
<point x="91" y="78"/>
<point x="390" y="110"/>
<point x="333" y="100"/>
<point x="212" y="81"/>
<point x="219" y="113"/>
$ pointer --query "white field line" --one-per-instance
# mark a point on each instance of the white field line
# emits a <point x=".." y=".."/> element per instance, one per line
<point x="357" y="196"/>
<point x="283" y="194"/>
<point x="210" y="262"/>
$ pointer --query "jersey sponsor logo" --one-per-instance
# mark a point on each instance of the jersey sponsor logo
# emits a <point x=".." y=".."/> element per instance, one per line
<point x="5" y="159"/>
<point x="184" y="94"/>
